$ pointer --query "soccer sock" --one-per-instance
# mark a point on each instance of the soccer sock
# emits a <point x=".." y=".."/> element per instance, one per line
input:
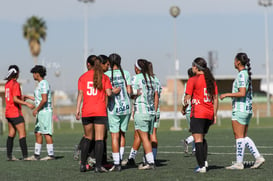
<point x="92" y="149"/>
<point x="252" y="147"/>
<point x="84" y="150"/>
<point x="38" y="148"/>
<point x="154" y="152"/>
<point x="23" y="145"/>
<point x="9" y="146"/>
<point x="50" y="149"/>
<point x="116" y="158"/>
<point x="121" y="152"/>
<point x="150" y="158"/>
<point x="200" y="154"/>
<point x="104" y="156"/>
<point x="193" y="146"/>
<point x="189" y="139"/>
<point x="205" y="146"/>
<point x="81" y="142"/>
<point x="240" y="150"/>
<point x="133" y="154"/>
<point x="99" y="152"/>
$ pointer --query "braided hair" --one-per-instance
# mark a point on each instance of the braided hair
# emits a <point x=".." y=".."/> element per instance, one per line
<point x="245" y="61"/>
<point x="201" y="65"/>
<point x="115" y="59"/>
<point x="143" y="64"/>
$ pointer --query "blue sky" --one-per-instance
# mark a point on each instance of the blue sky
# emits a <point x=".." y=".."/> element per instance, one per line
<point x="134" y="29"/>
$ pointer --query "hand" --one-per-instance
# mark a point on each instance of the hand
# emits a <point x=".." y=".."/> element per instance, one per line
<point x="116" y="90"/>
<point x="35" y="112"/>
<point x="215" y="119"/>
<point x="78" y="116"/>
<point x="31" y="106"/>
<point x="183" y="111"/>
<point x="222" y="96"/>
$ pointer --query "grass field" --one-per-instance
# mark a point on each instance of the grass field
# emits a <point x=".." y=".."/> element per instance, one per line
<point x="173" y="163"/>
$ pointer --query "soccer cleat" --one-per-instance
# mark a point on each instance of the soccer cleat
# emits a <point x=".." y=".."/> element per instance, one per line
<point x="91" y="161"/>
<point x="236" y="166"/>
<point x="186" y="146"/>
<point x="83" y="168"/>
<point x="51" y="157"/>
<point x="76" y="153"/>
<point x="259" y="162"/>
<point x="148" y="166"/>
<point x="200" y="170"/>
<point x="129" y="162"/>
<point x="32" y="158"/>
<point x="12" y="158"/>
<point x="115" y="168"/>
<point x="100" y="170"/>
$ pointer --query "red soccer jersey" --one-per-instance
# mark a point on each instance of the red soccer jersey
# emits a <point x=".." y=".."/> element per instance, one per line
<point x="12" y="88"/>
<point x="202" y="106"/>
<point x="93" y="99"/>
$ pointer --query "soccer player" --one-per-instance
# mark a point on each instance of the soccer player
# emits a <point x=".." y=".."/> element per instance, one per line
<point x="186" y="110"/>
<point x="145" y="107"/>
<point x="93" y="86"/>
<point x="242" y="112"/>
<point x="119" y="109"/>
<point x="203" y="93"/>
<point x="14" y="99"/>
<point x="43" y="113"/>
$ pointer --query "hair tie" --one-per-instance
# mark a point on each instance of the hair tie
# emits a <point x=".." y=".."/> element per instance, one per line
<point x="137" y="66"/>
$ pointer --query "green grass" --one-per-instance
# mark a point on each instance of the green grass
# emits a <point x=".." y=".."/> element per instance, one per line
<point x="174" y="164"/>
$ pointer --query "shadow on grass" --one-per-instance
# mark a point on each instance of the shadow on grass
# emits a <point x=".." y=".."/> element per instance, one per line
<point x="215" y="167"/>
<point x="59" y="157"/>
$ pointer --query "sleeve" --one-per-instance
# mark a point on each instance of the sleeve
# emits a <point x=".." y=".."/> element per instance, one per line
<point x="242" y="80"/>
<point x="16" y="90"/>
<point x="80" y="84"/>
<point x="216" y="89"/>
<point x="44" y="87"/>
<point x="134" y="83"/>
<point x="189" y="88"/>
<point x="128" y="78"/>
<point x="107" y="83"/>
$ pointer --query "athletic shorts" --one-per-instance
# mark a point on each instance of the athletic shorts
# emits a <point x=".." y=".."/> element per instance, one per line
<point x="15" y="121"/>
<point x="95" y="120"/>
<point x="200" y="125"/>
<point x="44" y="122"/>
<point x="240" y="117"/>
<point x="144" y="122"/>
<point x="118" y="122"/>
<point x="157" y="122"/>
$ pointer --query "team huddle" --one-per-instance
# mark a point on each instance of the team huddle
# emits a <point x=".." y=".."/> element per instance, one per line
<point x="108" y="97"/>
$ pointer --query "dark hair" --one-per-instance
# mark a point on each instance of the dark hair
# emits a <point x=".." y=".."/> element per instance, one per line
<point x="150" y="69"/>
<point x="41" y="70"/>
<point x="245" y="61"/>
<point x="103" y="59"/>
<point x="201" y="64"/>
<point x="115" y="59"/>
<point x="98" y="72"/>
<point x="13" y="72"/>
<point x="143" y="64"/>
<point x="190" y="73"/>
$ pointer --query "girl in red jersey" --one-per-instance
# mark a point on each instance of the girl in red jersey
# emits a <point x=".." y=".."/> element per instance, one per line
<point x="93" y="86"/>
<point x="14" y="100"/>
<point x="203" y="93"/>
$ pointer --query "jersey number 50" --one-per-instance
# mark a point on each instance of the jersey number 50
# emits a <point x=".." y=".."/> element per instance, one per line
<point x="91" y="91"/>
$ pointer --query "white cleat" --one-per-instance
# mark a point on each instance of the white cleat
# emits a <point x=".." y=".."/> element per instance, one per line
<point x="236" y="166"/>
<point x="259" y="162"/>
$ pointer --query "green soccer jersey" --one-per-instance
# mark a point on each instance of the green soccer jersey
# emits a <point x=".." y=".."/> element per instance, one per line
<point x="188" y="109"/>
<point x="119" y="104"/>
<point x="159" y="90"/>
<point x="144" y="103"/>
<point x="242" y="104"/>
<point x="43" y="88"/>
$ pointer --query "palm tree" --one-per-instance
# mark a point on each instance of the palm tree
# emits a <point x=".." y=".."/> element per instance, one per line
<point x="34" y="30"/>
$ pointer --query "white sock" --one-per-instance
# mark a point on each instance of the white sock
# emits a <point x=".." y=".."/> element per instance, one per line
<point x="37" y="150"/>
<point x="252" y="147"/>
<point x="121" y="152"/>
<point x="154" y="152"/>
<point x="240" y="150"/>
<point x="116" y="158"/>
<point x="190" y="139"/>
<point x="150" y="158"/>
<point x="133" y="154"/>
<point x="50" y="150"/>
